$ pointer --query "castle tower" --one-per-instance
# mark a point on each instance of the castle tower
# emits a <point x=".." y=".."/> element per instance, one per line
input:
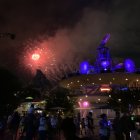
<point x="103" y="60"/>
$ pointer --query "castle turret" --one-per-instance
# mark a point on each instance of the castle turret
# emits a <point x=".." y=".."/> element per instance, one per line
<point x="103" y="59"/>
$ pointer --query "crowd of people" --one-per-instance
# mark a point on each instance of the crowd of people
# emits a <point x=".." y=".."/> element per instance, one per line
<point x="123" y="127"/>
<point x="34" y="126"/>
<point x="30" y="126"/>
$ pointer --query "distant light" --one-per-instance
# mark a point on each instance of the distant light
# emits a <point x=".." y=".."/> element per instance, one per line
<point x="85" y="104"/>
<point x="84" y="67"/>
<point x="119" y="66"/>
<point x="29" y="98"/>
<point x="124" y="88"/>
<point x="35" y="56"/>
<point x="129" y="65"/>
<point x="105" y="39"/>
<point x="119" y="100"/>
<point x="39" y="111"/>
<point x="105" y="89"/>
<point x="105" y="64"/>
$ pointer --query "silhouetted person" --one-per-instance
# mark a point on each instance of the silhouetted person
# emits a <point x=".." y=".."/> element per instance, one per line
<point x="133" y="128"/>
<point x="126" y="125"/>
<point x="43" y="127"/>
<point x="117" y="127"/>
<point x="90" y="123"/>
<point x="14" y="124"/>
<point x="69" y="129"/>
<point x="104" y="130"/>
<point x="31" y="109"/>
<point x="30" y="126"/>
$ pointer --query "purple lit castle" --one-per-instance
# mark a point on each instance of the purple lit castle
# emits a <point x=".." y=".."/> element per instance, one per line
<point x="104" y="62"/>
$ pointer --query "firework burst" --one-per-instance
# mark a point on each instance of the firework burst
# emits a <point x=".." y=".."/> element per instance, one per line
<point x="52" y="61"/>
<point x="39" y="56"/>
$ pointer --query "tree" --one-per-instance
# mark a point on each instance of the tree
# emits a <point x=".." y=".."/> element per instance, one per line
<point x="125" y="100"/>
<point x="37" y="89"/>
<point x="27" y="92"/>
<point x="9" y="85"/>
<point x="59" y="97"/>
<point x="40" y="81"/>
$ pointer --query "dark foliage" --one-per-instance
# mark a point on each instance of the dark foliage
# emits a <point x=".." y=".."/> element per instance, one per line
<point x="125" y="100"/>
<point x="40" y="81"/>
<point x="59" y="97"/>
<point x="29" y="91"/>
<point x="9" y="85"/>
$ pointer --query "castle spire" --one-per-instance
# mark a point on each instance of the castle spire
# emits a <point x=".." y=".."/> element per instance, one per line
<point x="103" y="59"/>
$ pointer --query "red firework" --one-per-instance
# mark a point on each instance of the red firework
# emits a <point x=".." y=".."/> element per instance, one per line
<point x="35" y="56"/>
<point x="39" y="58"/>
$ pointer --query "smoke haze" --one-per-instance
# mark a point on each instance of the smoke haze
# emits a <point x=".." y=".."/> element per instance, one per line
<point x="72" y="29"/>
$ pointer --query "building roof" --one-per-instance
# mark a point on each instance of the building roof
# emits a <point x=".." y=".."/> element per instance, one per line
<point x="76" y="82"/>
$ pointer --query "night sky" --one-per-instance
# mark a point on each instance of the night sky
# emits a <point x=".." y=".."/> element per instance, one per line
<point x="70" y="29"/>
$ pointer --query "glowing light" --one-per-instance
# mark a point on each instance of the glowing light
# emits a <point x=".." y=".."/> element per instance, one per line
<point x="105" y="64"/>
<point x="129" y="65"/>
<point x="39" y="56"/>
<point x="105" y="88"/>
<point x="35" y="56"/>
<point x="126" y="79"/>
<point x="85" y="104"/>
<point x="119" y="66"/>
<point x="105" y="39"/>
<point x="119" y="100"/>
<point x="84" y="67"/>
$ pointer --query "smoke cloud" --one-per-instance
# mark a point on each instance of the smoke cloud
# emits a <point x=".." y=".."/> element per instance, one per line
<point x="73" y="29"/>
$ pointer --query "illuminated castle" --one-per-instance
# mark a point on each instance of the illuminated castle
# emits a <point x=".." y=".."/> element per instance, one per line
<point x="104" y="62"/>
<point x="93" y="84"/>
